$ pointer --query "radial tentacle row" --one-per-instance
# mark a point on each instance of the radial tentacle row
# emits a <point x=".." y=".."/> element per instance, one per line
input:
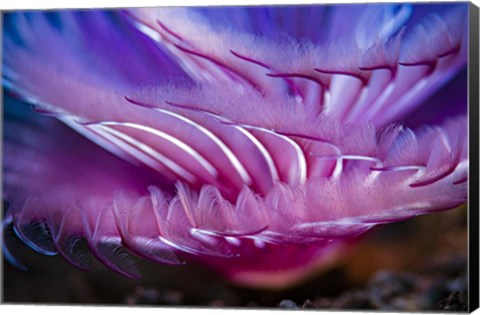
<point x="158" y="226"/>
<point x="228" y="144"/>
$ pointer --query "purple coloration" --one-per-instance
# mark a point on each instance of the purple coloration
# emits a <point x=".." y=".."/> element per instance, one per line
<point x="259" y="141"/>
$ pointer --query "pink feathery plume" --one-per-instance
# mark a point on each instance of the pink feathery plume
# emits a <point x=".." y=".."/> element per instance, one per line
<point x="260" y="141"/>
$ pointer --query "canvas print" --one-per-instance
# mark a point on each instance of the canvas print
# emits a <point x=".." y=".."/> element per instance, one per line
<point x="237" y="156"/>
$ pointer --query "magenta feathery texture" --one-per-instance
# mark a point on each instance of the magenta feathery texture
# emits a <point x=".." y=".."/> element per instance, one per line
<point x="260" y="141"/>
